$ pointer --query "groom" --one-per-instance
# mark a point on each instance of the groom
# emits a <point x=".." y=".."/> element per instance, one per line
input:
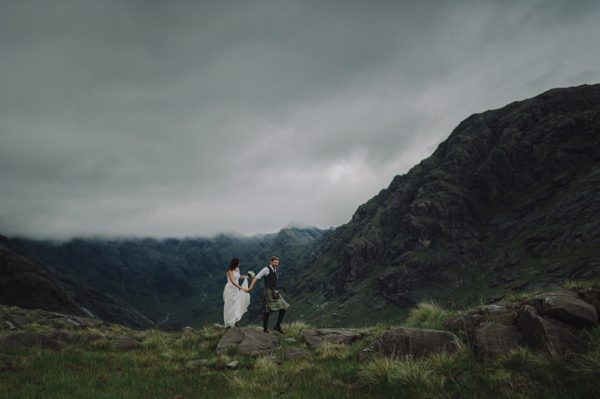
<point x="270" y="302"/>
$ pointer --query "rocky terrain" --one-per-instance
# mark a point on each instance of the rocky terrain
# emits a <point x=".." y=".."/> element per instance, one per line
<point x="508" y="202"/>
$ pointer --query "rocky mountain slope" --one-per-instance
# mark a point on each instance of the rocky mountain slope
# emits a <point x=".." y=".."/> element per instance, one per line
<point x="508" y="202"/>
<point x="173" y="280"/>
<point x="24" y="283"/>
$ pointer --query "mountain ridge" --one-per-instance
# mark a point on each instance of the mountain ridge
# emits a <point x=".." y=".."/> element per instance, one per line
<point x="506" y="197"/>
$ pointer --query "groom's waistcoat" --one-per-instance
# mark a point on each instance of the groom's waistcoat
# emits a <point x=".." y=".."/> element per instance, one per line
<point x="271" y="278"/>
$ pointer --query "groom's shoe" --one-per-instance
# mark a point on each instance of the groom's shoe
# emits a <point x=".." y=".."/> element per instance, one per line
<point x="279" y="329"/>
<point x="266" y="331"/>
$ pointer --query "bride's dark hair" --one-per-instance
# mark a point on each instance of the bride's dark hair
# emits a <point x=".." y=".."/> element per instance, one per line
<point x="234" y="263"/>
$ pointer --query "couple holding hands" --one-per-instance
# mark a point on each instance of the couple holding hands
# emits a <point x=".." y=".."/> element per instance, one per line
<point x="237" y="297"/>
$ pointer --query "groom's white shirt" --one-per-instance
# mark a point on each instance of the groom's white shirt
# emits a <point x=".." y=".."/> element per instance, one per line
<point x="263" y="272"/>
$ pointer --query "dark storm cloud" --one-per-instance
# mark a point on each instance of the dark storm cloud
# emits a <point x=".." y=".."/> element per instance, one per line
<point x="179" y="118"/>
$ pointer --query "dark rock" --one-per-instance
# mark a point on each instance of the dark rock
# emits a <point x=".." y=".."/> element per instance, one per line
<point x="30" y="340"/>
<point x="317" y="338"/>
<point x="546" y="333"/>
<point x="412" y="341"/>
<point x="565" y="306"/>
<point x="492" y="339"/>
<point x="503" y="313"/>
<point x="248" y="341"/>
<point x="255" y="341"/>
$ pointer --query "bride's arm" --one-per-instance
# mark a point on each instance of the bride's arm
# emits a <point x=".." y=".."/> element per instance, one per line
<point x="230" y="275"/>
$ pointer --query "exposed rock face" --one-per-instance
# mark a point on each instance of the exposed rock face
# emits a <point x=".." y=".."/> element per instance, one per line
<point x="547" y="333"/>
<point x="551" y="321"/>
<point x="25" y="284"/>
<point x="504" y="313"/>
<point x="411" y="341"/>
<point x="509" y="200"/>
<point x="566" y="307"/>
<point x="491" y="340"/>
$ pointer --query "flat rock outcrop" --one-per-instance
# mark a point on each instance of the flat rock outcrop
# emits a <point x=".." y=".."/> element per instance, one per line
<point x="411" y="341"/>
<point x="565" y="306"/>
<point x="30" y="340"/>
<point x="248" y="341"/>
<point x="316" y="338"/>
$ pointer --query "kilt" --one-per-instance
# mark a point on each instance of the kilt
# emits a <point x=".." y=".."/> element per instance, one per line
<point x="273" y="305"/>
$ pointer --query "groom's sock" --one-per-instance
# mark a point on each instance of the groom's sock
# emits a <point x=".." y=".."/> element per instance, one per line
<point x="280" y="318"/>
<point x="266" y="321"/>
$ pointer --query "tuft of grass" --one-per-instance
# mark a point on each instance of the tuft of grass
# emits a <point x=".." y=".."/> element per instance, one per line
<point x="428" y="315"/>
<point x="413" y="376"/>
<point x="580" y="284"/>
<point x="335" y="351"/>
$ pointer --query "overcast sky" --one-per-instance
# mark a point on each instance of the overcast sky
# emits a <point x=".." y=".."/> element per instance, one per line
<point x="190" y="118"/>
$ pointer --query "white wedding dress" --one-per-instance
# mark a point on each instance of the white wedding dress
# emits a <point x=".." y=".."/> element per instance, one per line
<point x="236" y="301"/>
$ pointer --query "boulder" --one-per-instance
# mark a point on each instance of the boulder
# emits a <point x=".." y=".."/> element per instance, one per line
<point x="126" y="344"/>
<point x="255" y="341"/>
<point x="297" y="352"/>
<point x="30" y="340"/>
<point x="547" y="333"/>
<point x="504" y="313"/>
<point x="248" y="341"/>
<point x="317" y="338"/>
<point x="411" y="341"/>
<point x="566" y="307"/>
<point x="492" y="339"/>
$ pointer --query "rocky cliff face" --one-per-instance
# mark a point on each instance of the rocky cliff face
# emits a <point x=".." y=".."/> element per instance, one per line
<point x="508" y="202"/>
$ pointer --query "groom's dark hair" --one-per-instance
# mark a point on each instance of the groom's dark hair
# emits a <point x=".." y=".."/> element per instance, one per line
<point x="274" y="258"/>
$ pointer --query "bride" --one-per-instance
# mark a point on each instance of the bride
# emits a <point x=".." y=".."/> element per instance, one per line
<point x="236" y="297"/>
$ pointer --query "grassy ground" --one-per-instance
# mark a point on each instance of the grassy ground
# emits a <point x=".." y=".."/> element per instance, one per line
<point x="167" y="366"/>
